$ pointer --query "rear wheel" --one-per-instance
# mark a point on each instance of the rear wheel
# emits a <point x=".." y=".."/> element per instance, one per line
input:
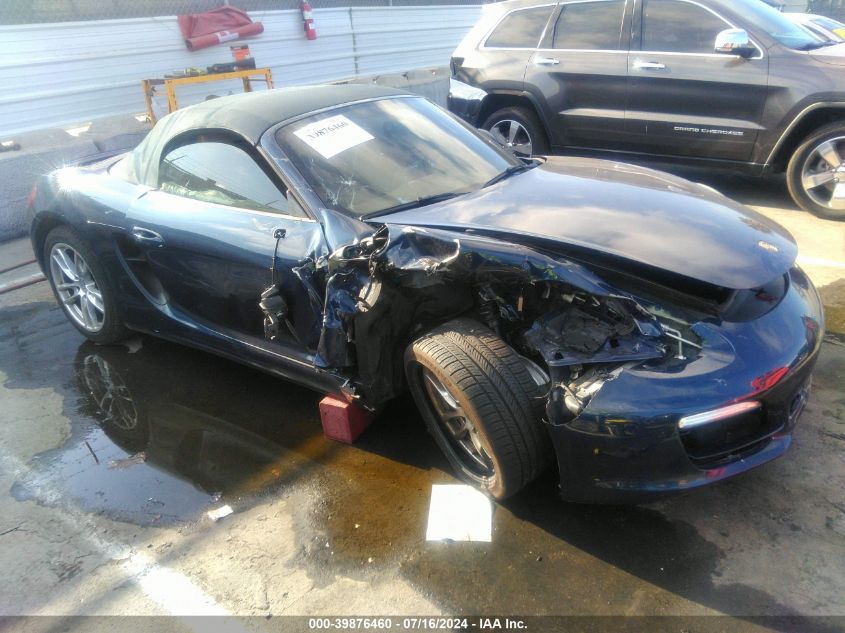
<point x="478" y="401"/>
<point x="518" y="129"/>
<point x="82" y="286"/>
<point x="816" y="172"/>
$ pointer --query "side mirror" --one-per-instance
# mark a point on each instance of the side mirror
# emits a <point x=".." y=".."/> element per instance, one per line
<point x="735" y="42"/>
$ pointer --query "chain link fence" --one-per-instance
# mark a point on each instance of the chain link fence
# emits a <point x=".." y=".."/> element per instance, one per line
<point x="46" y="11"/>
<point x="831" y="8"/>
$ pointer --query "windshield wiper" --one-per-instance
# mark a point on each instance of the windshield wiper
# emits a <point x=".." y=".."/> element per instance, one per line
<point x="510" y="171"/>
<point x="420" y="202"/>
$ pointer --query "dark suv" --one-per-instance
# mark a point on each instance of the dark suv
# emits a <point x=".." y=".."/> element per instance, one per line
<point x="717" y="83"/>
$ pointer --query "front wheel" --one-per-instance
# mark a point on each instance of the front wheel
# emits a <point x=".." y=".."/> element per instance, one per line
<point x="477" y="398"/>
<point x="519" y="130"/>
<point x="816" y="173"/>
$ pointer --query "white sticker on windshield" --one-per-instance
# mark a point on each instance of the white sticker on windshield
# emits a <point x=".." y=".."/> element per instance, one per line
<point x="333" y="135"/>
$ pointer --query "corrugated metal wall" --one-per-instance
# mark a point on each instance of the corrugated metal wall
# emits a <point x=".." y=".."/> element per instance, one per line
<point x="58" y="74"/>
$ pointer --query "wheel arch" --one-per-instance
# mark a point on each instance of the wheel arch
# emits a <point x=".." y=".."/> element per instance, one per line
<point x="42" y="225"/>
<point x="808" y="121"/>
<point x="498" y="100"/>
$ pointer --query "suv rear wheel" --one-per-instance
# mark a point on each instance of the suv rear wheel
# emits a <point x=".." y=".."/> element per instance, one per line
<point x="816" y="173"/>
<point x="518" y="129"/>
<point x="479" y="400"/>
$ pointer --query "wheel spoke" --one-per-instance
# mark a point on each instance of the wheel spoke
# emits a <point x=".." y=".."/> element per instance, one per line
<point x="523" y="148"/>
<point x="83" y="310"/>
<point x="95" y="297"/>
<point x="65" y="265"/>
<point x="496" y="131"/>
<point x="442" y="392"/>
<point x="513" y="131"/>
<point x="478" y="459"/>
<point x="837" y="200"/>
<point x="89" y="316"/>
<point x="476" y="441"/>
<point x="73" y="297"/>
<point x="811" y="181"/>
<point x="93" y="317"/>
<point x="830" y="154"/>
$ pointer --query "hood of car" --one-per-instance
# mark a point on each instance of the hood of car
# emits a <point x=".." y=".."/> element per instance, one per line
<point x="625" y="212"/>
<point x="830" y="54"/>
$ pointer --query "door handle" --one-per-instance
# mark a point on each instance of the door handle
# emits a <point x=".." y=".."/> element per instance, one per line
<point x="546" y="61"/>
<point x="639" y="65"/>
<point x="146" y="236"/>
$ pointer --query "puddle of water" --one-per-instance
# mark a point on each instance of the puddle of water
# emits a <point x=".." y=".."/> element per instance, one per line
<point x="153" y="441"/>
<point x="160" y="434"/>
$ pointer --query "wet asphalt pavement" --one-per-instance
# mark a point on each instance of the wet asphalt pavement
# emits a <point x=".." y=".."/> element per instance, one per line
<point x="110" y="458"/>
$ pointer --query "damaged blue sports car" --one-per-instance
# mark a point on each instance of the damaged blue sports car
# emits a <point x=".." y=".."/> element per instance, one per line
<point x="645" y="333"/>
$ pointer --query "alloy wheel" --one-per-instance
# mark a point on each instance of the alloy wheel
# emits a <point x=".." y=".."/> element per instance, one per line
<point x="513" y="135"/>
<point x="456" y="427"/>
<point x="823" y="174"/>
<point x="77" y="289"/>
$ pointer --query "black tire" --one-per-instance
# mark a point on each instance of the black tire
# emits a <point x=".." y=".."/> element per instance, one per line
<point x="112" y="329"/>
<point x="495" y="391"/>
<point x="803" y="158"/>
<point x="528" y="119"/>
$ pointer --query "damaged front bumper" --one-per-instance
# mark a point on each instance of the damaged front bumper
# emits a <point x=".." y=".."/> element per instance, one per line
<point x="627" y="445"/>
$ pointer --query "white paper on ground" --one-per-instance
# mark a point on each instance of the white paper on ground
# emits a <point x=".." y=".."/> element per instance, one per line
<point x="459" y="513"/>
<point x="333" y="135"/>
<point x="219" y="513"/>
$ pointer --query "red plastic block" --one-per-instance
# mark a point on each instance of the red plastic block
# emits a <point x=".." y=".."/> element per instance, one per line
<point x="343" y="421"/>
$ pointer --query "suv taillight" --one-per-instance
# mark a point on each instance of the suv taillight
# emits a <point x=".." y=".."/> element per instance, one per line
<point x="455" y="65"/>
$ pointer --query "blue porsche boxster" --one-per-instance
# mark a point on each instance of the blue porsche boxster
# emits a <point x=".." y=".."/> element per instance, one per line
<point x="644" y="332"/>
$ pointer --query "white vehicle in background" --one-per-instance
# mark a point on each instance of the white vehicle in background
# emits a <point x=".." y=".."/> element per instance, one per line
<point x="820" y="26"/>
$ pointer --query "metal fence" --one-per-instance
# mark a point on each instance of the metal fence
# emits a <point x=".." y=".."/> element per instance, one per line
<point x="50" y="11"/>
<point x="80" y="71"/>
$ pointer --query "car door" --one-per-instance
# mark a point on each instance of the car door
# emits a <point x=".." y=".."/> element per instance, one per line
<point x="684" y="99"/>
<point x="211" y="234"/>
<point x="579" y="73"/>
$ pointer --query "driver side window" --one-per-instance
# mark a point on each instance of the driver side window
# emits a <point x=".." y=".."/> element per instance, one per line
<point x="221" y="173"/>
<point x="674" y="26"/>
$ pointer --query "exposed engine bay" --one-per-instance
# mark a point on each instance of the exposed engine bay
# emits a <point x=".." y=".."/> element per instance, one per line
<point x="575" y="331"/>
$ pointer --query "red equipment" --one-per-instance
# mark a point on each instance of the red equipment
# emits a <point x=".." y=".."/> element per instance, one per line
<point x="308" y="20"/>
<point x="342" y="420"/>
<point x="225" y="24"/>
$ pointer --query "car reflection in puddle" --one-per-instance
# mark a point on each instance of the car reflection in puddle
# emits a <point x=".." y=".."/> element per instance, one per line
<point x="162" y="434"/>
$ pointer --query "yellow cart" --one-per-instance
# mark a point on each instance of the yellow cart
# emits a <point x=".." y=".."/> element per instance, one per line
<point x="170" y="84"/>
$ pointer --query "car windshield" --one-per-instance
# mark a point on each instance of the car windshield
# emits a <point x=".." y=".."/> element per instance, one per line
<point x="377" y="156"/>
<point x="778" y="26"/>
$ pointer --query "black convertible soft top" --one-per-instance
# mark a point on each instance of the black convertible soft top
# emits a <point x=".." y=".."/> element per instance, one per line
<point x="248" y="115"/>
